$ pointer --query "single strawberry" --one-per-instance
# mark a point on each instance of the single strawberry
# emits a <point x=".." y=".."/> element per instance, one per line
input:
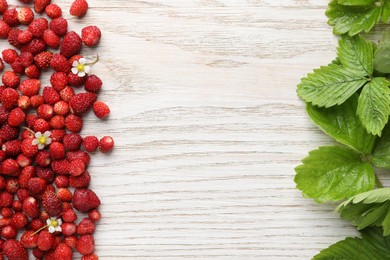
<point x="77" y="167"/>
<point x="90" y="257"/>
<point x="9" y="232"/>
<point x="6" y="200"/>
<point x="67" y="93"/>
<point x="59" y="80"/>
<point x="53" y="11"/>
<point x="62" y="181"/>
<point x="81" y="181"/>
<point x="36" y="101"/>
<point x="91" y="35"/>
<point x="29" y="239"/>
<point x="51" y="39"/>
<point x="59" y="26"/>
<point x="50" y="95"/>
<point x="4" y="29"/>
<point x="9" y="98"/>
<point x="68" y="229"/>
<point x="74" y="123"/>
<point x="16" y="117"/>
<point x="90" y="143"/>
<point x="78" y="8"/>
<point x="30" y="87"/>
<point x="85" y="200"/>
<point x="60" y="167"/>
<point x="82" y="102"/>
<point x="57" y="122"/>
<point x="42" y="158"/>
<point x="17" y="66"/>
<point x="9" y="55"/>
<point x="38" y="254"/>
<point x="24" y="102"/>
<point x="12" y="185"/>
<point x="10" y="167"/>
<point x="25" y="15"/>
<point x="13" y="37"/>
<point x="76" y="80"/>
<point x="71" y="44"/>
<point x="25" y="175"/>
<point x="35" y="46"/>
<point x="71" y="156"/>
<point x="23" y="160"/>
<point x="33" y="72"/>
<point x="12" y="148"/>
<point x="40" y="5"/>
<point x="28" y="149"/>
<point x="94" y="215"/>
<point x="106" y="144"/>
<point x="61" y="108"/>
<point x="26" y="58"/>
<point x="3" y="114"/>
<point x="69" y="216"/>
<point x="64" y="194"/>
<point x="85" y="244"/>
<point x="3" y="6"/>
<point x="86" y="226"/>
<point x="10" y="79"/>
<point x="72" y="141"/>
<point x="93" y="84"/>
<point x="19" y="220"/>
<point x="46" y="174"/>
<point x="71" y="241"/>
<point x="45" y="240"/>
<point x="41" y="125"/>
<point x="60" y="64"/>
<point x="36" y="186"/>
<point x="63" y="251"/>
<point x="45" y="111"/>
<point x="8" y="132"/>
<point x="51" y="203"/>
<point x="42" y="60"/>
<point x="57" y="135"/>
<point x="38" y="27"/>
<point x="10" y="16"/>
<point x="14" y="250"/>
<point x="100" y="109"/>
<point x="57" y="151"/>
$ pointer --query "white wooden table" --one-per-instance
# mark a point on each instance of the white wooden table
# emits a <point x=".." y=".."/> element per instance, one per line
<point x="208" y="128"/>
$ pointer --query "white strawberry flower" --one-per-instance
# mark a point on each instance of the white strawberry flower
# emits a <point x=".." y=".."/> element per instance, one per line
<point x="42" y="139"/>
<point x="81" y="67"/>
<point x="54" y="224"/>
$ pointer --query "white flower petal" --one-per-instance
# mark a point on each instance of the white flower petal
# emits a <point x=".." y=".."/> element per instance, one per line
<point x="82" y="60"/>
<point x="52" y="229"/>
<point x="81" y="74"/>
<point x="47" y="134"/>
<point x="59" y="222"/>
<point x="74" y="70"/>
<point x="48" y="221"/>
<point x="35" y="142"/>
<point x="87" y="69"/>
<point x="38" y="134"/>
<point x="41" y="146"/>
<point x="58" y="228"/>
<point x="48" y="140"/>
<point x="75" y="63"/>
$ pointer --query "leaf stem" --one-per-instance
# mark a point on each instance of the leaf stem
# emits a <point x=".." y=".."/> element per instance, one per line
<point x="378" y="182"/>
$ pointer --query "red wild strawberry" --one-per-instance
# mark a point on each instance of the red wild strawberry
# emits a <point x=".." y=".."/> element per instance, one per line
<point x="24" y="102"/>
<point x="30" y="87"/>
<point x="9" y="98"/>
<point x="91" y="35"/>
<point x="62" y="181"/>
<point x="46" y="174"/>
<point x="45" y="111"/>
<point x="31" y="207"/>
<point x="38" y="254"/>
<point x="36" y="186"/>
<point x="50" y="95"/>
<point x="76" y="80"/>
<point x="35" y="46"/>
<point x="51" y="39"/>
<point x="73" y="123"/>
<point x="53" y="11"/>
<point x="28" y="149"/>
<point x="3" y="115"/>
<point x="4" y="29"/>
<point x="51" y="203"/>
<point x="9" y="55"/>
<point x="38" y="27"/>
<point x="101" y="110"/>
<point x="19" y="220"/>
<point x="42" y="60"/>
<point x="69" y="216"/>
<point x="9" y="232"/>
<point x="36" y="101"/>
<point x="26" y="58"/>
<point x="23" y="160"/>
<point x="8" y="132"/>
<point x="40" y="5"/>
<point x="86" y="226"/>
<point x="61" y="108"/>
<point x="72" y="141"/>
<point x="57" y="135"/>
<point x="59" y="26"/>
<point x="78" y="8"/>
<point x="90" y="143"/>
<point x="3" y="6"/>
<point x="94" y="215"/>
<point x="13" y="250"/>
<point x="63" y="251"/>
<point x="85" y="245"/>
<point x="1" y="64"/>
<point x="10" y="79"/>
<point x="33" y="72"/>
<point x="71" y="156"/>
<point x="10" y="167"/>
<point x="29" y="239"/>
<point x="71" y="44"/>
<point x="67" y="93"/>
<point x="13" y="37"/>
<point x="25" y="15"/>
<point x="82" y="102"/>
<point x="10" y="16"/>
<point x="76" y="167"/>
<point x="60" y="63"/>
<point x="12" y="148"/>
<point x="106" y="144"/>
<point x="16" y="117"/>
<point x="41" y="125"/>
<point x="42" y="158"/>
<point x="45" y="240"/>
<point x="90" y="257"/>
<point x="57" y="122"/>
<point x="81" y="181"/>
<point x="59" y="80"/>
<point x="57" y="151"/>
<point x="6" y="199"/>
<point x="93" y="84"/>
<point x="60" y="167"/>
<point x="64" y="194"/>
<point x="68" y="229"/>
<point x="85" y="200"/>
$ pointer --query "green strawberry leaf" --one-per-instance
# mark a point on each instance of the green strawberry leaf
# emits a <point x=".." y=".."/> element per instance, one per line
<point x="381" y="154"/>
<point x="382" y="54"/>
<point x="356" y="2"/>
<point x="353" y="19"/>
<point x="371" y="246"/>
<point x="330" y="85"/>
<point x="333" y="173"/>
<point x="374" y="105"/>
<point x="342" y="123"/>
<point x="386" y="11"/>
<point x="371" y="208"/>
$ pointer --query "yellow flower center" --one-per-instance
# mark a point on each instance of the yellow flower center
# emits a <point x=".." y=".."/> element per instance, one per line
<point x="80" y="67"/>
<point x="54" y="223"/>
<point x="42" y="139"/>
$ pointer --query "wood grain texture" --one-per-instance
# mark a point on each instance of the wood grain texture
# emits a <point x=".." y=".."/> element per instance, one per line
<point x="208" y="128"/>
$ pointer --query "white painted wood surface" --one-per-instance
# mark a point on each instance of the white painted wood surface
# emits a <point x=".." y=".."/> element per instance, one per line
<point x="208" y="128"/>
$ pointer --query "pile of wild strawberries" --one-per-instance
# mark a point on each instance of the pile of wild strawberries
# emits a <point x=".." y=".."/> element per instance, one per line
<point x="43" y="161"/>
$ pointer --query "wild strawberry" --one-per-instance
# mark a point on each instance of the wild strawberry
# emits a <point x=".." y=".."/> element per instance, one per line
<point x="26" y="133"/>
<point x="30" y="87"/>
<point x="1" y="64"/>
<point x="28" y="148"/>
<point x="57" y="135"/>
<point x="60" y="63"/>
<point x="13" y="250"/>
<point x="38" y="27"/>
<point x="93" y="84"/>
<point x="82" y="102"/>
<point x="45" y="174"/>
<point x="76" y="167"/>
<point x="16" y="117"/>
<point x="90" y="143"/>
<point x="68" y="229"/>
<point x="26" y="58"/>
<point x="51" y="203"/>
<point x="69" y="216"/>
<point x="23" y="160"/>
<point x="85" y="200"/>
<point x="106" y="144"/>
<point x="63" y="251"/>
<point x="57" y="122"/>
<point x="29" y="239"/>
<point x="59" y="26"/>
<point x="42" y="158"/>
<point x="10" y="167"/>
<point x="25" y="15"/>
<point x="86" y="226"/>
<point x="36" y="101"/>
<point x="9" y="98"/>
<point x="67" y="93"/>
<point x="76" y="80"/>
<point x="8" y="132"/>
<point x="3" y="6"/>
<point x="85" y="244"/>
<point x="35" y="46"/>
<point x="71" y="156"/>
<point x="91" y="35"/>
<point x="6" y="199"/>
<point x="10" y="16"/>
<point x="13" y="37"/>
<point x="72" y="141"/>
<point x="9" y="55"/>
<point x="36" y="186"/>
<point x="40" y="5"/>
<point x="45" y="111"/>
<point x="41" y="125"/>
<point x="78" y="8"/>
<point x="60" y="167"/>
<point x="10" y="79"/>
<point x="90" y="257"/>
<point x="61" y="181"/>
<point x="6" y="213"/>
<point x="33" y="72"/>
<point x="24" y="102"/>
<point x="3" y="114"/>
<point x="50" y="95"/>
<point x="36" y="224"/>
<point x="12" y="185"/>
<point x="101" y="110"/>
<point x="64" y="194"/>
<point x="26" y="174"/>
<point x="94" y="215"/>
<point x="53" y="11"/>
<point x="45" y="240"/>
<point x="59" y="80"/>
<point x="38" y="254"/>
<point x="71" y="44"/>
<point x="81" y="181"/>
<point x="73" y="123"/>
<point x="12" y="148"/>
<point x="51" y="39"/>
<point x="42" y="60"/>
<point x="9" y="232"/>
<point x="61" y="108"/>
<point x="19" y="220"/>
<point x="4" y="29"/>
<point x="17" y="66"/>
<point x="57" y="151"/>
